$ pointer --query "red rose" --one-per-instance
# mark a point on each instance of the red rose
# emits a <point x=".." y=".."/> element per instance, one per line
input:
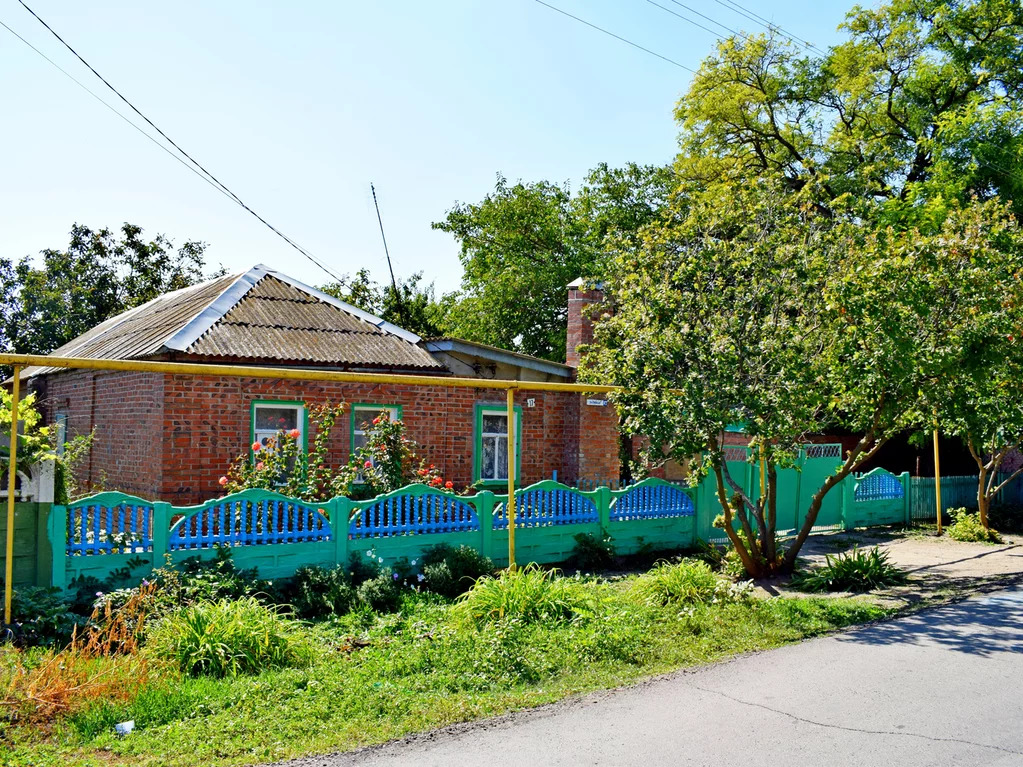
<point x="294" y="434"/>
<point x="367" y="465"/>
<point x="256" y="447"/>
<point x="222" y="481"/>
<point x="449" y="484"/>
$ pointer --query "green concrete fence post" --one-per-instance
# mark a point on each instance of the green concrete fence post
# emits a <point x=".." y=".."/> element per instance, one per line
<point x="848" y="491"/>
<point x="340" y="510"/>
<point x="56" y="533"/>
<point x="484" y="502"/>
<point x="162" y="513"/>
<point x="604" y="509"/>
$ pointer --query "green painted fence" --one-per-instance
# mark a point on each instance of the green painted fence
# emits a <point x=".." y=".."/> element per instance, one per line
<point x="276" y="534"/>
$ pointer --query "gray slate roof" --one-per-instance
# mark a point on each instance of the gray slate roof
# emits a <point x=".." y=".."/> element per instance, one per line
<point x="260" y="316"/>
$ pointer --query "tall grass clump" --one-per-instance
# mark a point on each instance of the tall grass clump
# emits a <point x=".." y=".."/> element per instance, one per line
<point x="854" y="570"/>
<point x="967" y="527"/>
<point x="227" y="638"/>
<point x="529" y="594"/>
<point x="687" y="581"/>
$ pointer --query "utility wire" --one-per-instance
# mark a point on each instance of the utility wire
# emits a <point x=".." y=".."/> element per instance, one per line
<point x="98" y="98"/>
<point x="760" y="20"/>
<point x="684" y="18"/>
<point x="725" y="27"/>
<point x="616" y="37"/>
<point x="192" y="160"/>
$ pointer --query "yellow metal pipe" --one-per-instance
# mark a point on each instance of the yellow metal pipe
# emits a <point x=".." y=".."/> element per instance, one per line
<point x="511" y="479"/>
<point x="12" y="477"/>
<point x="937" y="480"/>
<point x="295" y="374"/>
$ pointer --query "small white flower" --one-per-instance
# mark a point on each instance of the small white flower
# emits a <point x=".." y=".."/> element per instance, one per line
<point x="414" y="561"/>
<point x="380" y="560"/>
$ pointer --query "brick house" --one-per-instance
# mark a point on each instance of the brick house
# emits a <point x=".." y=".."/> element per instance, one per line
<point x="170" y="436"/>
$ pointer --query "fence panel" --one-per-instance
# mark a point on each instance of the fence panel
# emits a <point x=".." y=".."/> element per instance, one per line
<point x="249" y="518"/>
<point x="878" y="498"/>
<point x="109" y="523"/>
<point x="956" y="492"/>
<point x="413" y="511"/>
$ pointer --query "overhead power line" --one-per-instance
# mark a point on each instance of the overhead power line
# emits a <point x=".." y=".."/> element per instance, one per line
<point x="211" y="178"/>
<point x="107" y="104"/>
<point x="770" y="25"/>
<point x="616" y="37"/>
<point x="684" y="18"/>
<point x="711" y="20"/>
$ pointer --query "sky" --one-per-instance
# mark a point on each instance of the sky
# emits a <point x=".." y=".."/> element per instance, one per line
<point x="298" y="106"/>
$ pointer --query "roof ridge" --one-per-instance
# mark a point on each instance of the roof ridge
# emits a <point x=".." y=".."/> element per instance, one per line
<point x="214" y="311"/>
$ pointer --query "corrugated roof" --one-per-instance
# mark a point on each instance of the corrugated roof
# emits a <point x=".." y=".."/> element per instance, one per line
<point x="277" y="320"/>
<point x="257" y="315"/>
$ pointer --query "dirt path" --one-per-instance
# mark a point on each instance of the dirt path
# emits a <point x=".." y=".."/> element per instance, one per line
<point x="936" y="566"/>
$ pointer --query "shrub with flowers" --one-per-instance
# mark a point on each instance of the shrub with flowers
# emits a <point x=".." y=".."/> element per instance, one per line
<point x="389" y="460"/>
<point x="279" y="463"/>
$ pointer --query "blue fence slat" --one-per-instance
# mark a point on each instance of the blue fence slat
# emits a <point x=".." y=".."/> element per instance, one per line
<point x="408" y="514"/>
<point x="652" y="502"/>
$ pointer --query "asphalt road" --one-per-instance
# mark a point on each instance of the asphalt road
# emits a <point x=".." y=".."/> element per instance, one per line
<point x="943" y="687"/>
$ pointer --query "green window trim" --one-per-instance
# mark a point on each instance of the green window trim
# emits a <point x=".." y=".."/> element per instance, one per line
<point x="477" y="453"/>
<point x="278" y="403"/>
<point x="376" y="407"/>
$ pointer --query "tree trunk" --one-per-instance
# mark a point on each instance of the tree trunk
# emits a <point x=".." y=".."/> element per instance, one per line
<point x="749" y="561"/>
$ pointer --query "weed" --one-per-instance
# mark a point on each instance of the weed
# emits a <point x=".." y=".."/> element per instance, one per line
<point x="41" y="618"/>
<point x="315" y="592"/>
<point x="451" y="571"/>
<point x="227" y="638"/>
<point x="855" y="571"/>
<point x="686" y="581"/>
<point x="967" y="527"/>
<point x="528" y="594"/>
<point x="593" y="553"/>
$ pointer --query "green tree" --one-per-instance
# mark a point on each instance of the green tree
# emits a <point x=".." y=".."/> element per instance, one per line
<point x="100" y="274"/>
<point x="413" y="306"/>
<point x="920" y="106"/>
<point x="523" y="243"/>
<point x="757" y="310"/>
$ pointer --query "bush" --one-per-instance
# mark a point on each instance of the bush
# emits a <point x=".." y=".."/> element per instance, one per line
<point x="451" y="571"/>
<point x="40" y="617"/>
<point x="382" y="593"/>
<point x="593" y="553"/>
<point x="688" y="581"/>
<point x="314" y="592"/>
<point x="854" y="570"/>
<point x="527" y="594"/>
<point x="966" y="526"/>
<point x="227" y="638"/>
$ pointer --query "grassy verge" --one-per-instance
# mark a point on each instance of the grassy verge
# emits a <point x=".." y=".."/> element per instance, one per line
<point x="371" y="678"/>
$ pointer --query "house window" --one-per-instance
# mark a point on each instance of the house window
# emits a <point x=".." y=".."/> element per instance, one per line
<point x="362" y="419"/>
<point x="60" y="427"/>
<point x="270" y="418"/>
<point x="491" y="455"/>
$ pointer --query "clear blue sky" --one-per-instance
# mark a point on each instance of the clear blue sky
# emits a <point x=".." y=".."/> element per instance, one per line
<point x="298" y="106"/>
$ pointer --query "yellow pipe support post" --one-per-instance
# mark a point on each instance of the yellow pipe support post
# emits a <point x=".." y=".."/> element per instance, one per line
<point x="12" y="477"/>
<point x="511" y="479"/>
<point x="937" y="480"/>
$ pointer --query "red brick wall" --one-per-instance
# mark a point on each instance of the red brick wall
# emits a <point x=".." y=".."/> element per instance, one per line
<point x="125" y="411"/>
<point x="172" y="437"/>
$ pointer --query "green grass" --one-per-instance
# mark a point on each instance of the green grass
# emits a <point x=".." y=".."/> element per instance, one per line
<point x="373" y="678"/>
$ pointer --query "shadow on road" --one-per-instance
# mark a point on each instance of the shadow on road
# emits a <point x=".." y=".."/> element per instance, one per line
<point x="981" y="627"/>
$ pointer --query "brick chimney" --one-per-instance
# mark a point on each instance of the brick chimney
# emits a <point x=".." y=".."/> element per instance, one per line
<point x="580" y="326"/>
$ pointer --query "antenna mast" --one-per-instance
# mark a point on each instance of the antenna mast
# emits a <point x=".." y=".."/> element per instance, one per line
<point x="390" y="268"/>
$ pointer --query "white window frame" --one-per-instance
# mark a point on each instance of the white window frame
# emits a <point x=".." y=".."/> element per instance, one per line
<point x="258" y="435"/>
